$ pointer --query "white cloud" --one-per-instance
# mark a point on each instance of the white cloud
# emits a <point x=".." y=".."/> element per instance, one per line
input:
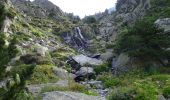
<point x="84" y="7"/>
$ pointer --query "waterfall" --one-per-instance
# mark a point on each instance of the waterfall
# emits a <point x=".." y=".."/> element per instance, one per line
<point x="79" y="32"/>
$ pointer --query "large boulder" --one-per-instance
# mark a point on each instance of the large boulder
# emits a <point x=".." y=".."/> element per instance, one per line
<point x="82" y="60"/>
<point x="122" y="63"/>
<point x="163" y="24"/>
<point x="68" y="96"/>
<point x="83" y="73"/>
<point x="62" y="73"/>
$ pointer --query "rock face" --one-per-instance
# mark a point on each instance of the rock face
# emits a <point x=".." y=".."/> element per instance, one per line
<point x="75" y="39"/>
<point x="68" y="96"/>
<point x="131" y="10"/>
<point x="82" y="59"/>
<point x="39" y="8"/>
<point x="6" y="25"/>
<point x="163" y="24"/>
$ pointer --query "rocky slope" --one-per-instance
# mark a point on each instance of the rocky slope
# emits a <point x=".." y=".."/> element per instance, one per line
<point x="45" y="51"/>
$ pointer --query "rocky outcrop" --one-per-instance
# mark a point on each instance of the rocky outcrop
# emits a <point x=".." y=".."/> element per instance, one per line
<point x="75" y="39"/>
<point x="68" y="96"/>
<point x="128" y="11"/>
<point x="163" y="24"/>
<point x="6" y="25"/>
<point x="39" y="8"/>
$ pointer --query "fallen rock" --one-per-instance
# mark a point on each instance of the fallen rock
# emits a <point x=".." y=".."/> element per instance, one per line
<point x="62" y="73"/>
<point x="68" y="96"/>
<point x="82" y="60"/>
<point x="83" y="73"/>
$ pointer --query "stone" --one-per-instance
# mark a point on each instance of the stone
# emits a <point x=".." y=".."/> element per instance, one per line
<point x="84" y="71"/>
<point x="82" y="60"/>
<point x="122" y="60"/>
<point x="161" y="97"/>
<point x="163" y="24"/>
<point x="62" y="73"/>
<point x="107" y="55"/>
<point x="6" y="25"/>
<point x="41" y="50"/>
<point x="68" y="96"/>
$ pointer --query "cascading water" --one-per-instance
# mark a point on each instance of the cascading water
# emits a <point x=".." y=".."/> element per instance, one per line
<point x="76" y="39"/>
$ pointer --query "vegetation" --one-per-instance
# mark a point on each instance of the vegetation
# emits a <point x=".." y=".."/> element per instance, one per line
<point x="90" y="20"/>
<point x="136" y="85"/>
<point x="6" y="52"/>
<point x="145" y="42"/>
<point x="74" y="87"/>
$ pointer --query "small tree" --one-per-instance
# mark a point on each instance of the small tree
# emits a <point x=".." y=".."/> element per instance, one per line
<point x="145" y="42"/>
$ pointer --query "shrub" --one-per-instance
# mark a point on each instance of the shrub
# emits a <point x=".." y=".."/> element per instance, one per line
<point x="101" y="68"/>
<point x="43" y="74"/>
<point x="112" y="82"/>
<point x="90" y="20"/>
<point x="137" y="91"/>
<point x="166" y="92"/>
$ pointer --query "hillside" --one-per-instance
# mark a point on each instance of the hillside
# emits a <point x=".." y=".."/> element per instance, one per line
<point x="48" y="54"/>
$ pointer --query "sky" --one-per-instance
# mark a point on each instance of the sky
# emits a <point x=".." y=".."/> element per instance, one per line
<point x="84" y="7"/>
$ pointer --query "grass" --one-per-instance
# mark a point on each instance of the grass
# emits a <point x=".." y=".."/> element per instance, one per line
<point x="137" y="86"/>
<point x="43" y="74"/>
<point x="74" y="87"/>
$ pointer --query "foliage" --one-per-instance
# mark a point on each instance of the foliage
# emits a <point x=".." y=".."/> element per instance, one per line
<point x="43" y="74"/>
<point x="16" y="88"/>
<point x="101" y="68"/>
<point x="145" y="42"/>
<point x="90" y="20"/>
<point x="139" y="91"/>
<point x="166" y="91"/>
<point x="6" y="52"/>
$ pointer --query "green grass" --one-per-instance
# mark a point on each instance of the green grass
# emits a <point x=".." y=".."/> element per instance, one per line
<point x="137" y="86"/>
<point x="73" y="87"/>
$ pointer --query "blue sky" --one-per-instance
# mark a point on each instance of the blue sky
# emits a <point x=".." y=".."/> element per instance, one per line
<point x="84" y="7"/>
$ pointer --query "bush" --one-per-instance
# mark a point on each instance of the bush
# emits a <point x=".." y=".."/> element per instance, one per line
<point x="101" y="68"/>
<point x="90" y="20"/>
<point x="137" y="91"/>
<point x="43" y="74"/>
<point x="166" y="92"/>
<point x="112" y="82"/>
